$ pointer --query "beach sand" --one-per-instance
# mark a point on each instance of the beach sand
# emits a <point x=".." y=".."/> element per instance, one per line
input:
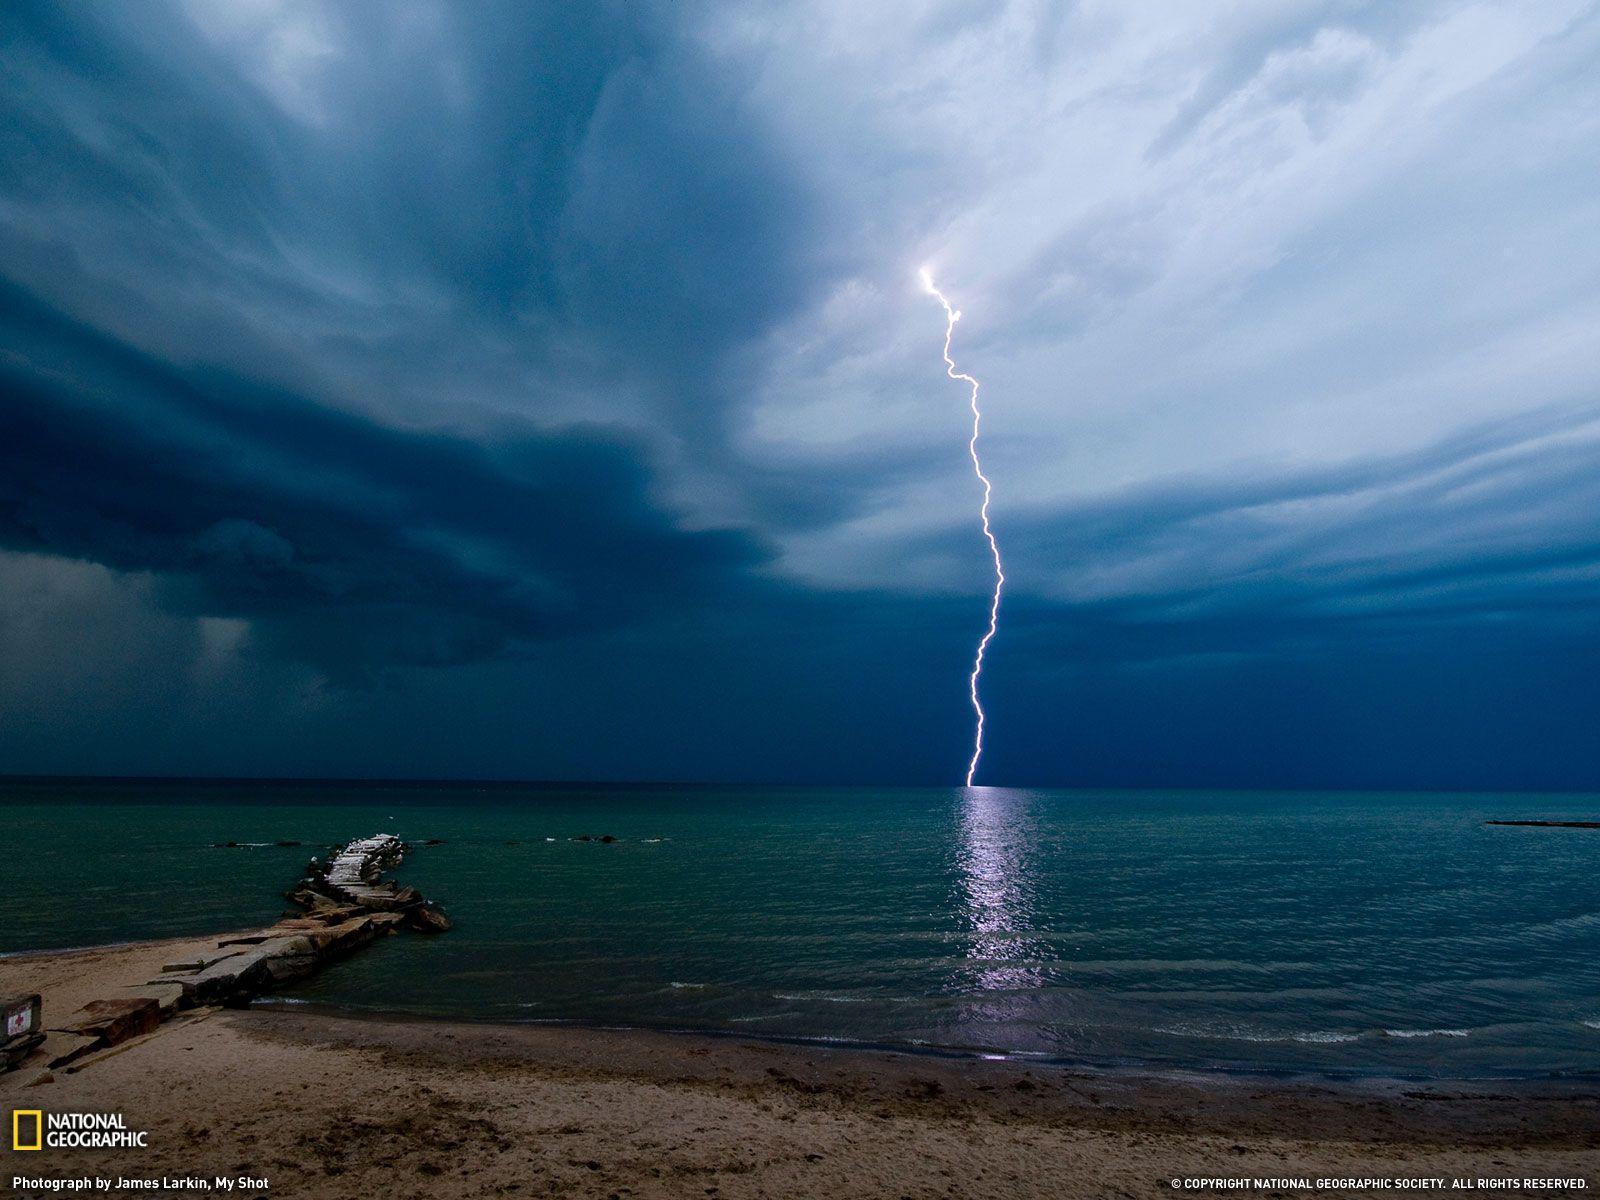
<point x="323" y="1106"/>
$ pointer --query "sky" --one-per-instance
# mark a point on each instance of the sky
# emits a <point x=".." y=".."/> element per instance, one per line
<point x="547" y="391"/>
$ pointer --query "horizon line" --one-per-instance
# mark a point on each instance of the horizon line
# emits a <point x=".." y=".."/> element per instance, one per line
<point x="421" y="781"/>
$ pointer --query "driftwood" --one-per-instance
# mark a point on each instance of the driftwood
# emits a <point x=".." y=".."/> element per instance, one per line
<point x="1551" y="824"/>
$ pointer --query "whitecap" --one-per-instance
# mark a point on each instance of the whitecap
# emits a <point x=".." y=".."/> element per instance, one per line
<point x="1417" y="1033"/>
<point x="1323" y="1037"/>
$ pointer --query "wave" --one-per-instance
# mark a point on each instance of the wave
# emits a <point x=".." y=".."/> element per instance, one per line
<point x="1315" y="1036"/>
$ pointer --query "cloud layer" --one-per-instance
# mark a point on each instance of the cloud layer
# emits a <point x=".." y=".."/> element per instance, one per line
<point x="565" y="370"/>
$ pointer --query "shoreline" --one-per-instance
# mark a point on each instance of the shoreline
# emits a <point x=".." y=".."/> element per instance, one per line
<point x="1355" y="1079"/>
<point x="1454" y="1110"/>
<point x="338" y="1105"/>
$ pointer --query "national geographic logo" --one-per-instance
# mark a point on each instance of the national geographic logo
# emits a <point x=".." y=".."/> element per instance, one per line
<point x="22" y="1121"/>
<point x="33" y="1129"/>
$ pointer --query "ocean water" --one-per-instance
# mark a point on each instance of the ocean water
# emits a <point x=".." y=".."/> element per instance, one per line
<point x="1363" y="933"/>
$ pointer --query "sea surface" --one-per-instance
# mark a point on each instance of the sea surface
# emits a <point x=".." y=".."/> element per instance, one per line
<point x="1339" y="934"/>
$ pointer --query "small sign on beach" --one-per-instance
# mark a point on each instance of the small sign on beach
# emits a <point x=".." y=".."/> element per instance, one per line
<point x="21" y="1015"/>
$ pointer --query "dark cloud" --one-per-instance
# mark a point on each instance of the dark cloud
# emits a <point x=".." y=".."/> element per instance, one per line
<point x="542" y="390"/>
<point x="220" y="369"/>
<point x="572" y="193"/>
<point x="1520" y="489"/>
<point x="348" y="543"/>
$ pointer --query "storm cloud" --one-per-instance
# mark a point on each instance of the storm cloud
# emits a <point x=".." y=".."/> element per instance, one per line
<point x="510" y="390"/>
<point x="344" y="542"/>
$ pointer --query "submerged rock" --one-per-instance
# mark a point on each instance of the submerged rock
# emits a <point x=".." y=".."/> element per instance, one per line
<point x="427" y="918"/>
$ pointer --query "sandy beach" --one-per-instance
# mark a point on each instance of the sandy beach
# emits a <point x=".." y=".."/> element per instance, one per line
<point x="327" y="1106"/>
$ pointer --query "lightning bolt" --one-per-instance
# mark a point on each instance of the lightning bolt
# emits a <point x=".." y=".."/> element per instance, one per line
<point x="951" y="316"/>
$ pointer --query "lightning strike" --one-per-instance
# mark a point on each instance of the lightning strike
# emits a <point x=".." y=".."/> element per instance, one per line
<point x="951" y="316"/>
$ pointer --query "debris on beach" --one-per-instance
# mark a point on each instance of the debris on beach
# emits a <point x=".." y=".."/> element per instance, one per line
<point x="101" y="1024"/>
<point x="116" y="1020"/>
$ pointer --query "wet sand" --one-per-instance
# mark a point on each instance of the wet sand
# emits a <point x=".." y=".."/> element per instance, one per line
<point x="325" y="1106"/>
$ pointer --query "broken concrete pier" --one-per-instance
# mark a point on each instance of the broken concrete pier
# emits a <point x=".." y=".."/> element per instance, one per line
<point x="353" y="877"/>
<point x="353" y="873"/>
<point x="347" y="905"/>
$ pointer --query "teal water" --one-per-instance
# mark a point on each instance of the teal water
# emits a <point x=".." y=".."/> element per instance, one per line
<point x="1342" y="933"/>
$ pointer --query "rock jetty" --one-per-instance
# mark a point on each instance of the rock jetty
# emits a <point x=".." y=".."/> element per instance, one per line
<point x="346" y="905"/>
<point x="353" y="878"/>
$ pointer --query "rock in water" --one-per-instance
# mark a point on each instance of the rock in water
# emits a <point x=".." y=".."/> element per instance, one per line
<point x="427" y="918"/>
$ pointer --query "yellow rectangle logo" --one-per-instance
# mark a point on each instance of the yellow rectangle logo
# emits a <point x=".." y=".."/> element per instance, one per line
<point x="17" y="1115"/>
